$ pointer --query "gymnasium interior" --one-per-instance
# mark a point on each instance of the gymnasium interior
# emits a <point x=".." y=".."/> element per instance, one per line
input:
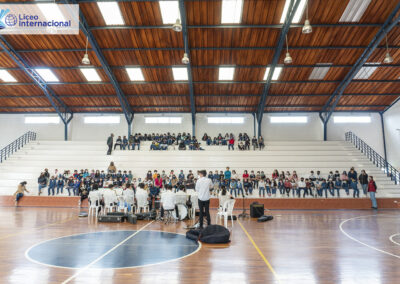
<point x="111" y="111"/>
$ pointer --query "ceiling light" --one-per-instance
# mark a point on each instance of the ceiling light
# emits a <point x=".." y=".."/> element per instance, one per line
<point x="307" y="29"/>
<point x="90" y="74"/>
<point x="85" y="59"/>
<point x="275" y="76"/>
<point x="177" y="26"/>
<point x="111" y="13"/>
<point x="169" y="11"/>
<point x="226" y="73"/>
<point x="5" y="76"/>
<point x="135" y="74"/>
<point x="299" y="12"/>
<point x="231" y="12"/>
<point x="180" y="73"/>
<point x="185" y="59"/>
<point x="355" y="9"/>
<point x="47" y="75"/>
<point x="288" y="59"/>
<point x="388" y="57"/>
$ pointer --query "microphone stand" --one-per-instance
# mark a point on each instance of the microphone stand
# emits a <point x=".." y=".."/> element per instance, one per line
<point x="243" y="214"/>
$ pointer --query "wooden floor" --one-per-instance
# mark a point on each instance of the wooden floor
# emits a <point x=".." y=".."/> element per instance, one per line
<point x="331" y="246"/>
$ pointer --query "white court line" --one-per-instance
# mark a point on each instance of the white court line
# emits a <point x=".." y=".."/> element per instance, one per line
<point x="103" y="255"/>
<point x="364" y="244"/>
<point x="391" y="239"/>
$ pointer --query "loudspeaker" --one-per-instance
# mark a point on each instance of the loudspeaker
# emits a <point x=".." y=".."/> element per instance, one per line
<point x="110" y="219"/>
<point x="256" y="210"/>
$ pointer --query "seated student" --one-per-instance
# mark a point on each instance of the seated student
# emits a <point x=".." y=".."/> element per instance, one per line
<point x="174" y="183"/>
<point x="241" y="146"/>
<point x="336" y="175"/>
<point x="248" y="188"/>
<point x="231" y="142"/>
<point x="168" y="202"/>
<point x="288" y="186"/>
<point x="136" y="142"/>
<point x="205" y="137"/>
<point x="274" y="187"/>
<point x="163" y="144"/>
<point x="302" y="186"/>
<point x="124" y="143"/>
<point x="223" y="196"/>
<point x="60" y="184"/>
<point x="294" y="187"/>
<point x="281" y="187"/>
<point x="111" y="168"/>
<point x="338" y="185"/>
<point x="118" y="142"/>
<point x="331" y="176"/>
<point x="261" y="144"/>
<point x="268" y="186"/>
<point x="42" y="181"/>
<point x="324" y="188"/>
<point x="254" y="143"/>
<point x="247" y="143"/>
<point x="20" y="192"/>
<point x="77" y="184"/>
<point x="240" y="186"/>
<point x="209" y="141"/>
<point x="331" y="187"/>
<point x="261" y="188"/>
<point x="154" y="146"/>
<point x="52" y="186"/>
<point x="182" y="146"/>
<point x="233" y="187"/>
<point x="130" y="142"/>
<point x="312" y="177"/>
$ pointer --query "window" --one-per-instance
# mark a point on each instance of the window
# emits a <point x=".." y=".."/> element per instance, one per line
<point x="51" y="12"/>
<point x="5" y="76"/>
<point x="169" y="11"/>
<point x="90" y="74"/>
<point x="226" y="120"/>
<point x="275" y="76"/>
<point x="288" y="119"/>
<point x="135" y="74"/>
<point x="226" y="73"/>
<point x="163" y="120"/>
<point x="42" y="120"/>
<point x="352" y="119"/>
<point x="366" y="71"/>
<point x="111" y="13"/>
<point x="180" y="73"/>
<point x="297" y="15"/>
<point x="231" y="11"/>
<point x="115" y="119"/>
<point x="320" y="71"/>
<point x="47" y="75"/>
<point x="354" y="11"/>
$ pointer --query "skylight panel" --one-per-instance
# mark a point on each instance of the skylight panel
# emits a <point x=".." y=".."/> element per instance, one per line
<point x="354" y="11"/>
<point x="231" y="11"/>
<point x="298" y="14"/>
<point x="289" y="119"/>
<point x="275" y="76"/>
<point x="90" y="74"/>
<point x="226" y="73"/>
<point x="5" y="76"/>
<point x="111" y="13"/>
<point x="51" y="12"/>
<point x="352" y="119"/>
<point x="135" y="74"/>
<point x="169" y="11"/>
<point x="42" y="120"/>
<point x="366" y="71"/>
<point x="47" y="75"/>
<point x="319" y="72"/>
<point x="180" y="73"/>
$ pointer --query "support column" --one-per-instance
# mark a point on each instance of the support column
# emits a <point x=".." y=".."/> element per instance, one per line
<point x="325" y="130"/>
<point x="254" y="124"/>
<point x="129" y="129"/>
<point x="384" y="143"/>
<point x="259" y="128"/>
<point x="194" y="125"/>
<point x="66" y="122"/>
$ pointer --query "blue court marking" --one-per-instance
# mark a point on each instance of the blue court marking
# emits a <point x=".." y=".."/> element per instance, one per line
<point x="145" y="248"/>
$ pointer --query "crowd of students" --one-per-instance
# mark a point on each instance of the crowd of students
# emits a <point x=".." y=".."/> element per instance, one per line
<point x="283" y="184"/>
<point x="184" y="141"/>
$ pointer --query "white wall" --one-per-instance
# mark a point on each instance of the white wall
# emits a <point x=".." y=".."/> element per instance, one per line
<point x="392" y="133"/>
<point x="371" y="133"/>
<point x="313" y="130"/>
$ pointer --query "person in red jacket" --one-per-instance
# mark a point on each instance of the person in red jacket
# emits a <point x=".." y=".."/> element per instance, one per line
<point x="372" y="191"/>
<point x="231" y="143"/>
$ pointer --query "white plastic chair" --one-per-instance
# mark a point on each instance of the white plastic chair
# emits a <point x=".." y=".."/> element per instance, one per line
<point x="94" y="203"/>
<point x="181" y="198"/>
<point x="121" y="204"/>
<point x="195" y="205"/>
<point x="119" y="191"/>
<point x="225" y="211"/>
<point x="129" y="197"/>
<point x="109" y="199"/>
<point x="142" y="202"/>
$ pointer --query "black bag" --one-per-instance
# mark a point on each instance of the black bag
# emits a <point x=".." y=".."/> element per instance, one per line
<point x="110" y="219"/>
<point x="233" y="217"/>
<point x="131" y="218"/>
<point x="265" y="218"/>
<point x="140" y="216"/>
<point x="256" y="210"/>
<point x="193" y="234"/>
<point x="215" y="234"/>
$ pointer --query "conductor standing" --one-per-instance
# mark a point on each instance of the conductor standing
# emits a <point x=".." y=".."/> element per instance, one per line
<point x="110" y="142"/>
<point x="203" y="187"/>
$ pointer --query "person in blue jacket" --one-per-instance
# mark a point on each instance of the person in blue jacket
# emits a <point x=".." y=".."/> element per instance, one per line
<point x="353" y="182"/>
<point x="52" y="185"/>
<point x="77" y="183"/>
<point x="60" y="184"/>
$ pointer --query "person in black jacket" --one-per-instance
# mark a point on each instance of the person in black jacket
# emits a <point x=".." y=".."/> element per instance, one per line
<point x="363" y="178"/>
<point x="110" y="142"/>
<point x="42" y="181"/>
<point x="353" y="182"/>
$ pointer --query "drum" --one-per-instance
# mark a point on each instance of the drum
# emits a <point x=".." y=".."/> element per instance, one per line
<point x="183" y="212"/>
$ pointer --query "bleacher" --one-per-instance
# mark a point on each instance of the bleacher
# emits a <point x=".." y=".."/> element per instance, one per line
<point x="302" y="156"/>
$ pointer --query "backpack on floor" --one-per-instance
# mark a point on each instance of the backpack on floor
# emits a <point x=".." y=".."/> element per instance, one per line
<point x="215" y="234"/>
<point x="265" y="218"/>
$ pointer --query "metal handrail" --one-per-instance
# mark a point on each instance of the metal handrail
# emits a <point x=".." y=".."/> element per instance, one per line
<point x="373" y="156"/>
<point x="16" y="145"/>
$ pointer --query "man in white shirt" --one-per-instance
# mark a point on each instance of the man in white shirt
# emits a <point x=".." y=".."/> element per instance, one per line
<point x="203" y="186"/>
<point x="168" y="201"/>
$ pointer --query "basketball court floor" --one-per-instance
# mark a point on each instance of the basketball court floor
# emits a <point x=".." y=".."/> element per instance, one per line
<point x="48" y="245"/>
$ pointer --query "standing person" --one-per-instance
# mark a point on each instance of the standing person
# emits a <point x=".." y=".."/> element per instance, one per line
<point x="372" y="191"/>
<point x="231" y="143"/>
<point x="110" y="142"/>
<point x="20" y="192"/>
<point x="363" y="178"/>
<point x="203" y="186"/>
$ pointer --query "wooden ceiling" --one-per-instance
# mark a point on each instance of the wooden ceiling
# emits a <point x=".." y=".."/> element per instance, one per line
<point x="155" y="48"/>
